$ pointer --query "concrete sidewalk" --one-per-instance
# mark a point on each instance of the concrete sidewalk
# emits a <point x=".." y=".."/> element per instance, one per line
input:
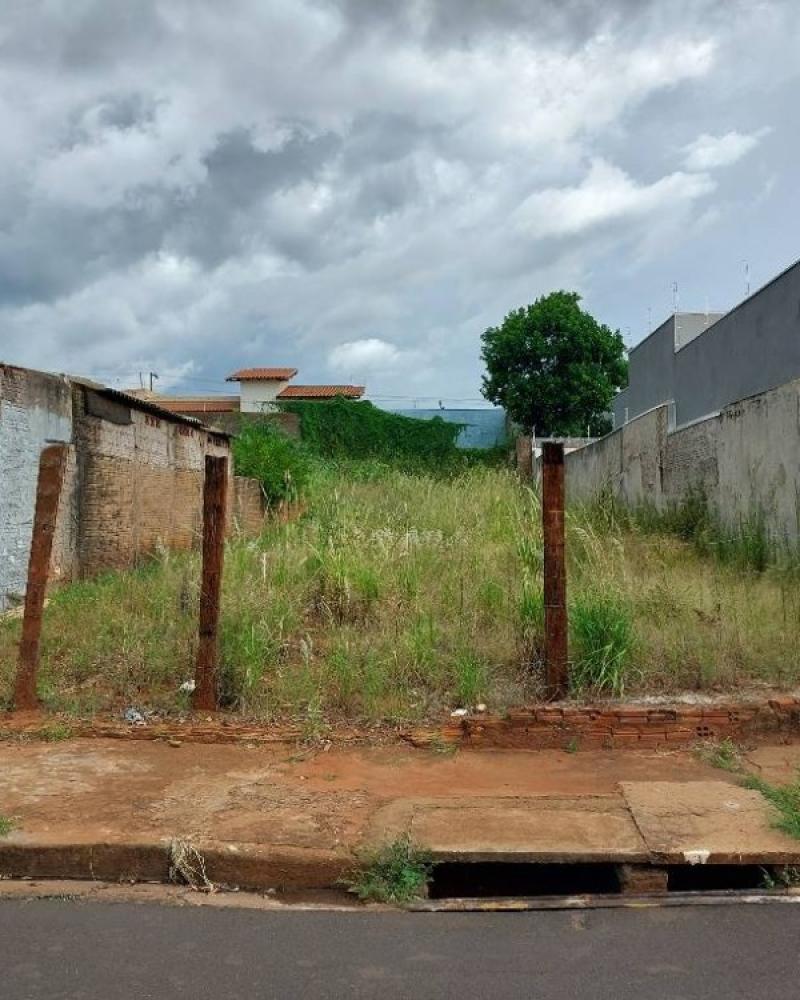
<point x="263" y="817"/>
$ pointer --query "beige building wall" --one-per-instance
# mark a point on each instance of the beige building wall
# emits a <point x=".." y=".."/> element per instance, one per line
<point x="257" y="395"/>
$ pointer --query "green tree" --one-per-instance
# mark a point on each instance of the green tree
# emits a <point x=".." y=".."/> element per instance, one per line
<point x="553" y="367"/>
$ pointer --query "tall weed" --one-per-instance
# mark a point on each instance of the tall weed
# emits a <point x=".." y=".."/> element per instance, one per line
<point x="602" y="638"/>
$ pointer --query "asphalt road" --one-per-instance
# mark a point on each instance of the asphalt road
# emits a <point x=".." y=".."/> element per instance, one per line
<point x="51" y="949"/>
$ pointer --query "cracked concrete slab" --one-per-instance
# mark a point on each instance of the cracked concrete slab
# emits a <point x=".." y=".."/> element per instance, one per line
<point x="707" y="822"/>
<point x="543" y="829"/>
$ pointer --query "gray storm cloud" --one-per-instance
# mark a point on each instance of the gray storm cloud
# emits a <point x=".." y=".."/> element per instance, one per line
<point x="362" y="186"/>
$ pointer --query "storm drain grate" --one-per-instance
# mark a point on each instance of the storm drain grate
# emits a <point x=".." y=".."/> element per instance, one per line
<point x="492" y="879"/>
<point x="717" y="878"/>
<point x="496" y="880"/>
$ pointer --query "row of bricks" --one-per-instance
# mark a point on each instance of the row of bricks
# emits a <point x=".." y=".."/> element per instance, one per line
<point x="734" y="713"/>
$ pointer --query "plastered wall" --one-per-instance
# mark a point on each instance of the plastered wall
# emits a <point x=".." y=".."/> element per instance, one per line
<point x="746" y="459"/>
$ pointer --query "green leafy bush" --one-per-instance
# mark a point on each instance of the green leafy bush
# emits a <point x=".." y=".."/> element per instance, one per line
<point x="282" y="465"/>
<point x="343" y="428"/>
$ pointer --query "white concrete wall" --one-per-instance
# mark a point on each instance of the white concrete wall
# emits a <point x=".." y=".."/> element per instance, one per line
<point x="35" y="409"/>
<point x="746" y="459"/>
<point x="257" y="396"/>
<point x="626" y="462"/>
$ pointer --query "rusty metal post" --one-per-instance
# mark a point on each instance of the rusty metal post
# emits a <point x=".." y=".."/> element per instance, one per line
<point x="555" y="574"/>
<point x="215" y="493"/>
<point x="52" y="463"/>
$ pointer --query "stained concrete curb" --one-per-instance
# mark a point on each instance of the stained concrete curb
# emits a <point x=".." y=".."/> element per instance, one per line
<point x="249" y="866"/>
<point x="260" y="821"/>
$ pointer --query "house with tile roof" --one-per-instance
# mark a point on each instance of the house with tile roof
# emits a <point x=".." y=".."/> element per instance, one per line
<point x="260" y="390"/>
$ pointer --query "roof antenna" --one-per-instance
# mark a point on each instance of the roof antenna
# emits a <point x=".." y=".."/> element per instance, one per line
<point x="746" y="278"/>
<point x="649" y="318"/>
<point x="675" y="296"/>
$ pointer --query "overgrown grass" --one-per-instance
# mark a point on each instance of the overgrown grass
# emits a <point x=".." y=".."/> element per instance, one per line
<point x="748" y="546"/>
<point x="603" y="643"/>
<point x="398" y="597"/>
<point x="6" y="826"/>
<point x="395" y="873"/>
<point x="785" y="800"/>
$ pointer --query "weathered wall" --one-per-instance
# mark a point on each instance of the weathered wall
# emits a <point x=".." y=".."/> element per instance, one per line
<point x="248" y="508"/>
<point x="231" y="423"/>
<point x="758" y="458"/>
<point x="746" y="459"/>
<point x="690" y="462"/>
<point x="141" y="482"/>
<point x="134" y="479"/>
<point x="34" y="408"/>
<point x="627" y="462"/>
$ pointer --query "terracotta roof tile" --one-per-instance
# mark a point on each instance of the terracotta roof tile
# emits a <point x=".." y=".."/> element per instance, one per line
<point x="321" y="391"/>
<point x="262" y="374"/>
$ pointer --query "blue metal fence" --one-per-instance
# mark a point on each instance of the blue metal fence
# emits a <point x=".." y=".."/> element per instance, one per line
<point x="483" y="428"/>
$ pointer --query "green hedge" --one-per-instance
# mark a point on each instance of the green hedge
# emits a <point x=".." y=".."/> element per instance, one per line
<point x="343" y="428"/>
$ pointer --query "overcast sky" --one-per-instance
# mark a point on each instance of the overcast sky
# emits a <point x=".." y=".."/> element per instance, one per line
<point x="359" y="188"/>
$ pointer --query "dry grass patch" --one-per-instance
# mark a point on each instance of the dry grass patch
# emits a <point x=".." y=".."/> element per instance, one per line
<point x="399" y="597"/>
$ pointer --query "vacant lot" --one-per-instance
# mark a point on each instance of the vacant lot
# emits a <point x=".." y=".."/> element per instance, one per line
<point x="400" y="597"/>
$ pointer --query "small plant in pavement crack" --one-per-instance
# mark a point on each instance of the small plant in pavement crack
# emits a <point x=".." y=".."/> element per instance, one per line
<point x="725" y="755"/>
<point x="6" y="826"/>
<point x="395" y="873"/>
<point x="55" y="732"/>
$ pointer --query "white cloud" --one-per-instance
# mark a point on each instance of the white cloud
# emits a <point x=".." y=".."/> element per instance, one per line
<point x="370" y="356"/>
<point x="708" y="152"/>
<point x="606" y="194"/>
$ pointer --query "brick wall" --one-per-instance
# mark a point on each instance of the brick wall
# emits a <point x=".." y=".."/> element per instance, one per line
<point x="615" y="727"/>
<point x="248" y="508"/>
<point x="134" y="479"/>
<point x="286" y="423"/>
<point x="141" y="482"/>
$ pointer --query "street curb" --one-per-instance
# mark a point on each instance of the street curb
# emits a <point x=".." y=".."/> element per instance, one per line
<point x="249" y="866"/>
